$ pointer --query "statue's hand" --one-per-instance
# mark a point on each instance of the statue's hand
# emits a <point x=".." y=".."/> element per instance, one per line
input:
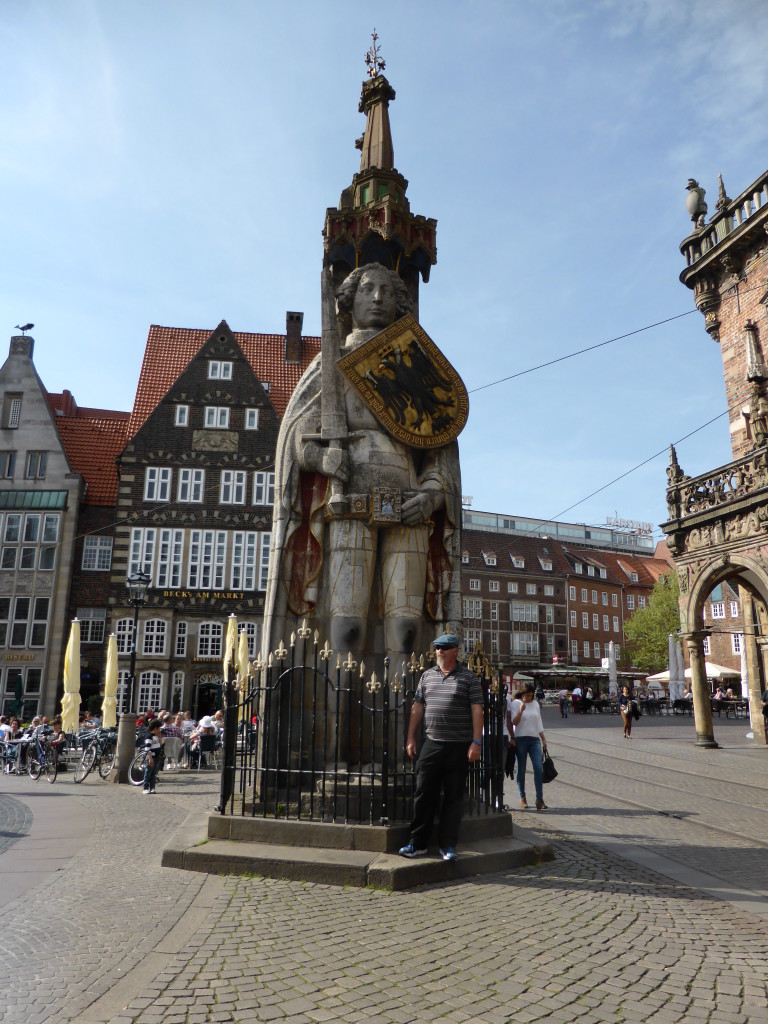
<point x="419" y="507"/>
<point x="335" y="464"/>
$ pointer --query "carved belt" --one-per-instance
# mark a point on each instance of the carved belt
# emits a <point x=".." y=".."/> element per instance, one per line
<point x="381" y="507"/>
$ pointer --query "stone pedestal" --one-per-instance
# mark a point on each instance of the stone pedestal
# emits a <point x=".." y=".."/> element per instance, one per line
<point x="126" y="748"/>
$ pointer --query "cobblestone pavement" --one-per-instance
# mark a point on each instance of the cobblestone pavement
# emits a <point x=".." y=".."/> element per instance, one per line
<point x="594" y="936"/>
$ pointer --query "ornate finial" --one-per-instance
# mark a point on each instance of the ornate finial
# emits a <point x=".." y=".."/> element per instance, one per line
<point x="375" y="62"/>
<point x="281" y="652"/>
<point x="305" y="631"/>
<point x="373" y="685"/>
<point x="674" y="472"/>
<point x="317" y="638"/>
<point x="326" y="652"/>
<point x="259" y="663"/>
<point x="271" y="660"/>
<point x="395" y="684"/>
<point x="413" y="664"/>
<point x="421" y="662"/>
<point x="722" y="198"/>
<point x="293" y="640"/>
<point x="350" y="663"/>
<point x="362" y="670"/>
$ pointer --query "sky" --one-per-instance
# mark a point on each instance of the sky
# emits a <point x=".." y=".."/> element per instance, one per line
<point x="171" y="163"/>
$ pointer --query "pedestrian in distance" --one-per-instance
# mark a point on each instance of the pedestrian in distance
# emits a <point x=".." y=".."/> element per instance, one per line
<point x="562" y="700"/>
<point x="530" y="741"/>
<point x="449" y="703"/>
<point x="154" y="742"/>
<point x="625" y="710"/>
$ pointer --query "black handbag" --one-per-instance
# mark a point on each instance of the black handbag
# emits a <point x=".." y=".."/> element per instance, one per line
<point x="548" y="770"/>
<point x="509" y="765"/>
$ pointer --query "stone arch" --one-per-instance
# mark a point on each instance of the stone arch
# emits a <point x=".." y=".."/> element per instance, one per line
<point x="697" y="580"/>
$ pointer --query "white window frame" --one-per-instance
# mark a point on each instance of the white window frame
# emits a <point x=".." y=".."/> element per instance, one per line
<point x="181" y="416"/>
<point x="549" y="590"/>
<point x="596" y="649"/>
<point x="251" y="420"/>
<point x="737" y="640"/>
<point x="182" y="633"/>
<point x="706" y="646"/>
<point x="233" y="485"/>
<point x="209" y="640"/>
<point x="718" y="609"/>
<point x="615" y="623"/>
<point x="155" y="633"/>
<point x="493" y="586"/>
<point x="584" y="595"/>
<point x="191" y="485"/>
<point x="216" y="417"/>
<point x="511" y="588"/>
<point x="97" y="553"/>
<point x="572" y="593"/>
<point x="264" y="488"/>
<point x="595" y="621"/>
<point x="92" y="623"/>
<point x="124" y="635"/>
<point x="574" y="651"/>
<point x="170" y="557"/>
<point x="615" y="600"/>
<point x="586" y="648"/>
<point x="474" y="584"/>
<point x="530" y="589"/>
<point x="630" y="602"/>
<point x="585" y="620"/>
<point x="142" y="552"/>
<point x="150" y="691"/>
<point x="734" y="609"/>
<point x="157" y="483"/>
<point x="606" y="624"/>
<point x="573" y="619"/>
<point x="219" y="369"/>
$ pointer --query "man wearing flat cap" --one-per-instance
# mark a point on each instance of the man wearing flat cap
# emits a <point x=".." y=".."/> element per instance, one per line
<point x="449" y="703"/>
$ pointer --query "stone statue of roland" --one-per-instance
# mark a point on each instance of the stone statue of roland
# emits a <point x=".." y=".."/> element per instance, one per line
<point x="368" y="586"/>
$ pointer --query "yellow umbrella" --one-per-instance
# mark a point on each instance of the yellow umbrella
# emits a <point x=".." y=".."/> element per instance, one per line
<point x="70" y="704"/>
<point x="109" y="705"/>
<point x="242" y="671"/>
<point x="230" y="646"/>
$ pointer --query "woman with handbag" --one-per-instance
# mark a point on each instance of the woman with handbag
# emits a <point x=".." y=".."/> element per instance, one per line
<point x="530" y="741"/>
<point x="625" y="710"/>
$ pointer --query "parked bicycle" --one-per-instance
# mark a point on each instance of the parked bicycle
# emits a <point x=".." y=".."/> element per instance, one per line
<point x="42" y="756"/>
<point x="99" y="749"/>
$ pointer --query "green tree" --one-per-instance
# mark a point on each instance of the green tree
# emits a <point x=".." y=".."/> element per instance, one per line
<point x="647" y="631"/>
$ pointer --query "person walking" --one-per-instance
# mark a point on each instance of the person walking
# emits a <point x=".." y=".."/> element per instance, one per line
<point x="449" y="703"/>
<point x="562" y="699"/>
<point x="530" y="742"/>
<point x="625" y="710"/>
<point x="154" y="743"/>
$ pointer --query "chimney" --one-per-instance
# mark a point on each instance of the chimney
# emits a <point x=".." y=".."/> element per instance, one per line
<point x="293" y="345"/>
<point x="22" y="345"/>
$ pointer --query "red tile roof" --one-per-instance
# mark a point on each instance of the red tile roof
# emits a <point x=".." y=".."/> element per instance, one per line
<point x="169" y="351"/>
<point x="92" y="444"/>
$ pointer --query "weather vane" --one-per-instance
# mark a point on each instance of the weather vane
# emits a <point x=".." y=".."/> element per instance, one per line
<point x="25" y="328"/>
<point x="375" y="63"/>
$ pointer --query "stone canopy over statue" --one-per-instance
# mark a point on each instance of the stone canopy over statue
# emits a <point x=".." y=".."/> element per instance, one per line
<point x="366" y="528"/>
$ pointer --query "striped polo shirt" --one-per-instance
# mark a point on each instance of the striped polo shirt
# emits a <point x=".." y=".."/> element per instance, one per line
<point x="447" y="701"/>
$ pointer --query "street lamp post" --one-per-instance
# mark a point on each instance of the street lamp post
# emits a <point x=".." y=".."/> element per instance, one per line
<point x="138" y="584"/>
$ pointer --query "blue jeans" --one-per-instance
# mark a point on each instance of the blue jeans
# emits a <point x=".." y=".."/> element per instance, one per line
<point x="529" y="746"/>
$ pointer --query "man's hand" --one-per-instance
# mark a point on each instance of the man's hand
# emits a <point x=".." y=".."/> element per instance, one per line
<point x="474" y="753"/>
<point x="332" y="462"/>
<point x="410" y="748"/>
<point x="419" y="507"/>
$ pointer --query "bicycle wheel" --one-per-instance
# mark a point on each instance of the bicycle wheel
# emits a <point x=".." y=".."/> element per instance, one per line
<point x="136" y="771"/>
<point x="85" y="763"/>
<point x="107" y="762"/>
<point x="34" y="766"/>
<point x="52" y="765"/>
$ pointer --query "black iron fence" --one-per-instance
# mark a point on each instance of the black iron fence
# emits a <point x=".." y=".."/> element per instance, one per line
<point x="313" y="737"/>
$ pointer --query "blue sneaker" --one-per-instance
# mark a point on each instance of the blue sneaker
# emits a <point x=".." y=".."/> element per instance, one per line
<point x="448" y="853"/>
<point x="410" y="851"/>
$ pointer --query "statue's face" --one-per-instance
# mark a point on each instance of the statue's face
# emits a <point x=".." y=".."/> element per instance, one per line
<point x="375" y="302"/>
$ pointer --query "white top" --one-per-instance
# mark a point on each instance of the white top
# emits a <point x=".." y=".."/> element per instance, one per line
<point x="508" y="707"/>
<point x="530" y="724"/>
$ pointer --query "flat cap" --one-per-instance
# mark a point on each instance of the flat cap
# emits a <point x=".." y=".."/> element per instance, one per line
<point x="446" y="640"/>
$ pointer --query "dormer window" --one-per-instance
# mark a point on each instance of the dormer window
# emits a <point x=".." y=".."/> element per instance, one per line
<point x="579" y="567"/>
<point x="545" y="564"/>
<point x="465" y="558"/>
<point x="490" y="559"/>
<point x="590" y="570"/>
<point x="519" y="563"/>
<point x="633" y="577"/>
<point x="218" y="370"/>
<point x="603" y="574"/>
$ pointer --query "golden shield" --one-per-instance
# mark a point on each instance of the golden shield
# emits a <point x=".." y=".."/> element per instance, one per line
<point x="409" y="385"/>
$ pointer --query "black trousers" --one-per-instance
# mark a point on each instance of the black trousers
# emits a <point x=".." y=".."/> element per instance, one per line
<point x="440" y="766"/>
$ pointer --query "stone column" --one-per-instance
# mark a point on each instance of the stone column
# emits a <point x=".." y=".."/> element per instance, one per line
<point x="756" y="653"/>
<point x="756" y="718"/>
<point x="702" y="707"/>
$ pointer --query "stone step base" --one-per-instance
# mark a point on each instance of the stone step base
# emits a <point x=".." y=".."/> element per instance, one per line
<point x="191" y="849"/>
